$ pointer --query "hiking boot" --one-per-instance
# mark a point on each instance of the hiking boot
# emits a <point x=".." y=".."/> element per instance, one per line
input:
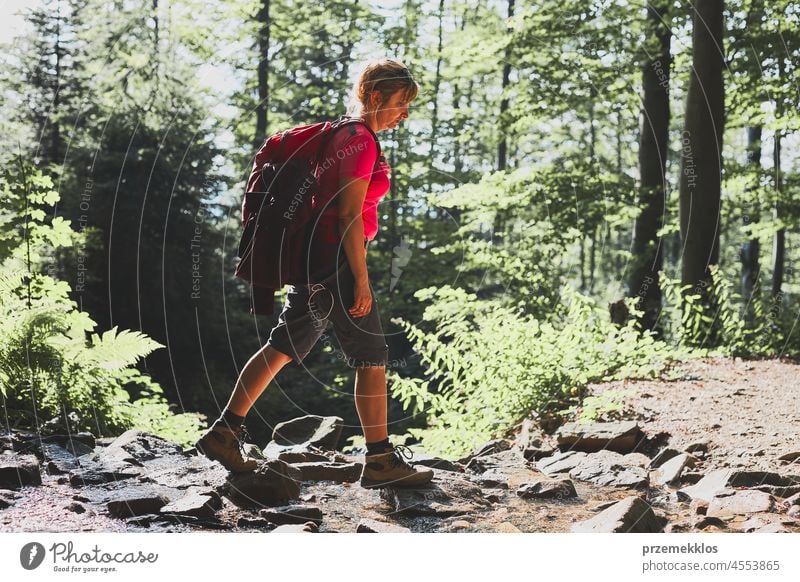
<point x="224" y="444"/>
<point x="390" y="469"/>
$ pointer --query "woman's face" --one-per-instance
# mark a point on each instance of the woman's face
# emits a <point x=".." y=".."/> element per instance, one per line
<point x="393" y="112"/>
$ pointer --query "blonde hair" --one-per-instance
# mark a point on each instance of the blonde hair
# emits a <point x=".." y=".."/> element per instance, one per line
<point x="386" y="76"/>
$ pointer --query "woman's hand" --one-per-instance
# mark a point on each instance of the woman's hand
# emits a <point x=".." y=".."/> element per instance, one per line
<point x="362" y="299"/>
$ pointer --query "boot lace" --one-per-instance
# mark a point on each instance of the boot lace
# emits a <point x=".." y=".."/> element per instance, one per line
<point x="398" y="460"/>
<point x="242" y="436"/>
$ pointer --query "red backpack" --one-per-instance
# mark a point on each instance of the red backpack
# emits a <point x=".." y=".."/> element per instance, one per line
<point x="278" y="208"/>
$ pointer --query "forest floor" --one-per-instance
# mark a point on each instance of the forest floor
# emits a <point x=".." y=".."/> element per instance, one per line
<point x="746" y="412"/>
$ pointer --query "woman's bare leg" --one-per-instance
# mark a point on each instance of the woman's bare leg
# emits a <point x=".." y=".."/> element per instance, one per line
<point x="371" y="402"/>
<point x="256" y="375"/>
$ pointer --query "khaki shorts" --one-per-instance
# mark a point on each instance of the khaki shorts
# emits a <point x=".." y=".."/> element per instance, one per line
<point x="308" y="311"/>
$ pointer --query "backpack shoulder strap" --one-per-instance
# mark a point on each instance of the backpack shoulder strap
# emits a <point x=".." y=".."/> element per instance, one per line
<point x="351" y="123"/>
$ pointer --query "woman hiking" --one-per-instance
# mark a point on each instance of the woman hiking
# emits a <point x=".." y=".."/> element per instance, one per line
<point x="340" y="291"/>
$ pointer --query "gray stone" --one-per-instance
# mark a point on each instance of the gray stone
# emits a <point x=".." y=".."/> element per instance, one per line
<point x="7" y="498"/>
<point x="312" y="430"/>
<point x="492" y="478"/>
<point x="292" y="514"/>
<point x="292" y="457"/>
<point x="490" y="448"/>
<point x="774" y="527"/>
<point x="450" y="495"/>
<point x="698" y="446"/>
<point x="94" y="472"/>
<point x="76" y="507"/>
<point x="793" y="500"/>
<point x="507" y="459"/>
<point x="339" y="472"/>
<point x="366" y="525"/>
<point x="622" y="437"/>
<point x="58" y="460"/>
<point x="779" y="491"/>
<point x="272" y="483"/>
<point x="136" y="447"/>
<point x="631" y="515"/>
<point x="560" y="463"/>
<point x="663" y="456"/>
<point x="738" y="502"/>
<point x="197" y="503"/>
<point x="135" y="504"/>
<point x="535" y="454"/>
<point x="670" y="472"/>
<point x="610" y="469"/>
<point x="421" y="458"/>
<point x="19" y="470"/>
<point x="790" y="457"/>
<point x="558" y="489"/>
<point x="721" y="479"/>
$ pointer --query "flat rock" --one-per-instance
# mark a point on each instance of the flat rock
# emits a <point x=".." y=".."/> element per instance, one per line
<point x="492" y="478"/>
<point x="547" y="489"/>
<point x="136" y="447"/>
<point x="339" y="472"/>
<point x="610" y="469"/>
<point x="366" y="525"/>
<point x="560" y="463"/>
<point x="58" y="460"/>
<point x="738" y="502"/>
<point x="19" y="470"/>
<point x="272" y="483"/>
<point x="790" y="457"/>
<point x="663" y="456"/>
<point x="622" y="437"/>
<point x="312" y="430"/>
<point x="779" y="491"/>
<point x="490" y="448"/>
<point x="774" y="527"/>
<point x="448" y="495"/>
<point x="631" y="515"/>
<point x="426" y="460"/>
<point x="203" y="504"/>
<point x="508" y="459"/>
<point x="721" y="479"/>
<point x="292" y="514"/>
<point x="93" y="472"/>
<point x="669" y="472"/>
<point x="305" y="456"/>
<point x="7" y="498"/>
<point x="135" y="504"/>
<point x="537" y="453"/>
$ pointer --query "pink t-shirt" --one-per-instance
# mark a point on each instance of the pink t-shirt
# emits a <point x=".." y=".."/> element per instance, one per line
<point x="352" y="156"/>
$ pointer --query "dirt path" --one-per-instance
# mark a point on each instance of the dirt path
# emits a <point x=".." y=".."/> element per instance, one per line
<point x="748" y="411"/>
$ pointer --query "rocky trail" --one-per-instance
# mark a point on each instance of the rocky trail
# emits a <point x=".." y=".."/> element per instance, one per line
<point x="711" y="446"/>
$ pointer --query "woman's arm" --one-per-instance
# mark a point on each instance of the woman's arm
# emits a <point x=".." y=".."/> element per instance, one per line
<point x="350" y="203"/>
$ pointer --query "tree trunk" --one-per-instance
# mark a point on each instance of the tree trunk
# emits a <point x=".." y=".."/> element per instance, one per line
<point x="436" y="83"/>
<point x="503" y="145"/>
<point x="750" y="249"/>
<point x="701" y="149"/>
<point x="779" y="242"/>
<point x="653" y="138"/>
<point x="262" y="107"/>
